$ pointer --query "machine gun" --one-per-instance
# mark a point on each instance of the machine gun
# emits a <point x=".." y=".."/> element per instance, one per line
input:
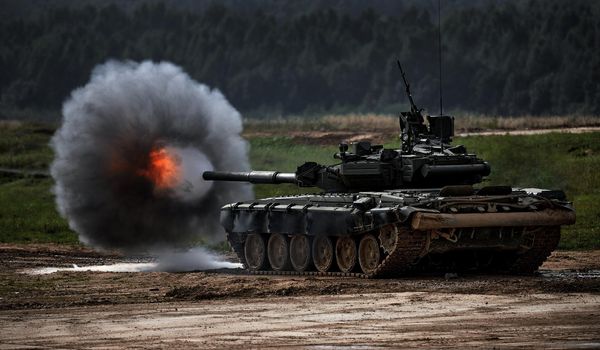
<point x="413" y="128"/>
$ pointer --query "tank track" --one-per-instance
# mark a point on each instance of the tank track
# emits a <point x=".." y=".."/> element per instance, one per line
<point x="544" y="241"/>
<point x="411" y="246"/>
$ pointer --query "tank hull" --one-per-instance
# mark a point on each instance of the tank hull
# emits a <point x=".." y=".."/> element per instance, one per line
<point x="391" y="233"/>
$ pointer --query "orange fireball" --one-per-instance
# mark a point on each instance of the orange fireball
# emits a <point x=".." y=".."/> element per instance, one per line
<point x="163" y="169"/>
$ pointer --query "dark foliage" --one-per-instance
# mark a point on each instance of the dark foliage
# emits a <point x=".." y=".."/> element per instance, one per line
<point x="512" y="58"/>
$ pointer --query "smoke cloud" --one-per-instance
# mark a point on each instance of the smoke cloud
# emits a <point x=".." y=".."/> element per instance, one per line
<point x="194" y="259"/>
<point x="130" y="154"/>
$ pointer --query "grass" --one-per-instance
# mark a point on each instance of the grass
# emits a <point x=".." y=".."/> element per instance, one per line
<point x="282" y="154"/>
<point x="570" y="162"/>
<point x="25" y="145"/>
<point x="27" y="209"/>
<point x="388" y="123"/>
<point x="565" y="161"/>
<point x="28" y="214"/>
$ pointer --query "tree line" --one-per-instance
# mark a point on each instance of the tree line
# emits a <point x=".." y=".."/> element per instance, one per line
<point x="508" y="58"/>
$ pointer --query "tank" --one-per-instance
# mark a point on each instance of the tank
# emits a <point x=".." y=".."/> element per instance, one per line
<point x="388" y="212"/>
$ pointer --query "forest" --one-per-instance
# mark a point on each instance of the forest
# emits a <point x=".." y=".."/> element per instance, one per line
<point x="506" y="58"/>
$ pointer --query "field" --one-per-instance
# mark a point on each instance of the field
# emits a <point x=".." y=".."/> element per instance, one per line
<point x="557" y="308"/>
<point x="555" y="160"/>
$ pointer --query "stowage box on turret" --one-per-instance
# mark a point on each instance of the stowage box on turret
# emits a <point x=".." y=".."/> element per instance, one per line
<point x="386" y="212"/>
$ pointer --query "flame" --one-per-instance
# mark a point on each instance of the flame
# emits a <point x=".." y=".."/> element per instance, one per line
<point x="163" y="169"/>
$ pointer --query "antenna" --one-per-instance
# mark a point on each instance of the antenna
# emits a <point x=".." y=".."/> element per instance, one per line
<point x="440" y="65"/>
<point x="413" y="106"/>
<point x="440" y="51"/>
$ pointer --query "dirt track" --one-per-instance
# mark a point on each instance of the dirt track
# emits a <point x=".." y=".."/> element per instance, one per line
<point x="558" y="309"/>
<point x="412" y="319"/>
<point x="381" y="136"/>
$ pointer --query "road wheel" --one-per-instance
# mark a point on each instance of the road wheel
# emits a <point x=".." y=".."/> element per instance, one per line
<point x="255" y="252"/>
<point x="278" y="252"/>
<point x="369" y="254"/>
<point x="345" y="254"/>
<point x="300" y="254"/>
<point x="322" y="250"/>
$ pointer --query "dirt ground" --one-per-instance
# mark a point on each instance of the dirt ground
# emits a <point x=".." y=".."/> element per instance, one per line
<point x="381" y="136"/>
<point x="558" y="308"/>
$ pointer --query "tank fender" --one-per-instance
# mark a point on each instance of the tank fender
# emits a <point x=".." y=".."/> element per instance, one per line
<point x="226" y="217"/>
<point x="306" y="219"/>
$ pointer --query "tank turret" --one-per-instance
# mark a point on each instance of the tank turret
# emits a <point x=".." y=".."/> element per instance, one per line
<point x="371" y="167"/>
<point x="426" y="159"/>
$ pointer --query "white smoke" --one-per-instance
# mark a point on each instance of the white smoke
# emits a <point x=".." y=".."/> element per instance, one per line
<point x="191" y="260"/>
<point x="110" y="127"/>
<point x="170" y="261"/>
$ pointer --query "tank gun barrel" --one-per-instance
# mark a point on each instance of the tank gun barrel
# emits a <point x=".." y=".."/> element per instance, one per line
<point x="255" y="177"/>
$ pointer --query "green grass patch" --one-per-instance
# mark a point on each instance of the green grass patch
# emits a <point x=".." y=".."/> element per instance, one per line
<point x="585" y="234"/>
<point x="28" y="214"/>
<point x="570" y="162"/>
<point x="567" y="161"/>
<point x="282" y="154"/>
<point x="25" y="145"/>
<point x="27" y="208"/>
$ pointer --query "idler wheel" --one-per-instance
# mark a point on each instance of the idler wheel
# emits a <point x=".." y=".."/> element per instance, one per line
<point x="322" y="250"/>
<point x="368" y="254"/>
<point x="278" y="252"/>
<point x="300" y="254"/>
<point x="345" y="254"/>
<point x="255" y="252"/>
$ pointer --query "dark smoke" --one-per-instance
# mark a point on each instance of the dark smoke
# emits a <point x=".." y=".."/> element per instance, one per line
<point x="111" y="126"/>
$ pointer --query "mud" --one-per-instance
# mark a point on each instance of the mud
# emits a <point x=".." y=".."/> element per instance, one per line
<point x="558" y="308"/>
